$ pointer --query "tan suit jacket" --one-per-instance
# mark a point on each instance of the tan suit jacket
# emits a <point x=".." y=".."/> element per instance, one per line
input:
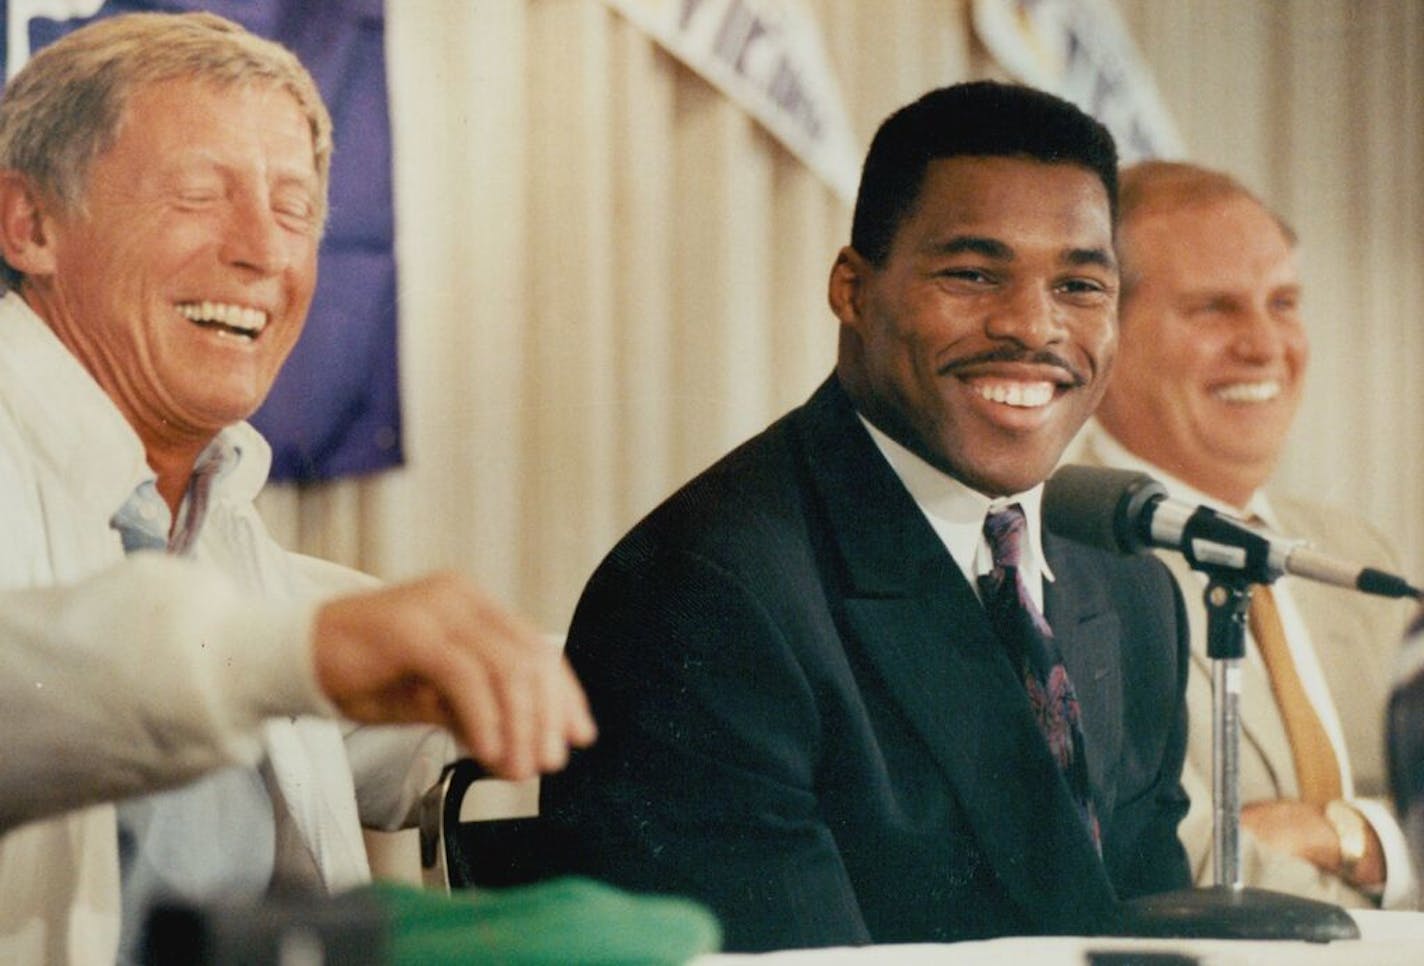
<point x="1355" y="637"/>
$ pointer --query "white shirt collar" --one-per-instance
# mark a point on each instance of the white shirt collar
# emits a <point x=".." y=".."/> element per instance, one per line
<point x="956" y="512"/>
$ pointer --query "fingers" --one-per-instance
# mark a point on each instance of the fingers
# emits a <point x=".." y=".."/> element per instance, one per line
<point x="473" y="714"/>
<point x="436" y="650"/>
<point x="516" y="660"/>
<point x="580" y="730"/>
<point x="544" y="710"/>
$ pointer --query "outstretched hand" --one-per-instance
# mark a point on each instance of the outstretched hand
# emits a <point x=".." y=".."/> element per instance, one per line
<point x="437" y="650"/>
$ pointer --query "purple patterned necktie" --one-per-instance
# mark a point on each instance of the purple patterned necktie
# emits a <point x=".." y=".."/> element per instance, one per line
<point x="1029" y="641"/>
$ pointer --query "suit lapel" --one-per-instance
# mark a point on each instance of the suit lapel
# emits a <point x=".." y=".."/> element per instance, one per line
<point x="924" y="633"/>
<point x="308" y="762"/>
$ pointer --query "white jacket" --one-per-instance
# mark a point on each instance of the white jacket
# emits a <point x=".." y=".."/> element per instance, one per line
<point x="126" y="675"/>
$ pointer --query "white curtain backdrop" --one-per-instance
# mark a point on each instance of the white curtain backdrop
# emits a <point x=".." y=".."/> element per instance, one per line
<point x="610" y="275"/>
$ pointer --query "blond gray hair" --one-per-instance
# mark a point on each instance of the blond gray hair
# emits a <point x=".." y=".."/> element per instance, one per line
<point x="1150" y="186"/>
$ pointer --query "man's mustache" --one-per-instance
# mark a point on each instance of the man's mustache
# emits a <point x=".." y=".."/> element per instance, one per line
<point x="1037" y="357"/>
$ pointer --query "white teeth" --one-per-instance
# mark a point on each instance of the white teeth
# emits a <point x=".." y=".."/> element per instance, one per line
<point x="1248" y="392"/>
<point x="239" y="317"/>
<point x="1026" y="395"/>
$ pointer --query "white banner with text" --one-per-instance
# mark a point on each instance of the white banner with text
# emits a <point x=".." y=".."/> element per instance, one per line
<point x="1081" y="51"/>
<point x="768" y="57"/>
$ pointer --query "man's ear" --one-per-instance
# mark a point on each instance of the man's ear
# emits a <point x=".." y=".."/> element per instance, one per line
<point x="846" y="287"/>
<point x="25" y="238"/>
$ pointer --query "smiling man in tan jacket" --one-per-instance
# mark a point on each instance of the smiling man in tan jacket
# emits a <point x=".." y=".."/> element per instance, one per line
<point x="1208" y="379"/>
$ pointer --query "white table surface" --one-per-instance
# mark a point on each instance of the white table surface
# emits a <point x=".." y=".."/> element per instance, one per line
<point x="1387" y="939"/>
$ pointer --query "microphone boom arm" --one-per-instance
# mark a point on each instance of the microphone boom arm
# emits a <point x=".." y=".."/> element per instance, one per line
<point x="1216" y="543"/>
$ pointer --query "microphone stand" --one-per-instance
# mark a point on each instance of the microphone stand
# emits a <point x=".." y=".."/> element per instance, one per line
<point x="1227" y="603"/>
<point x="1228" y="909"/>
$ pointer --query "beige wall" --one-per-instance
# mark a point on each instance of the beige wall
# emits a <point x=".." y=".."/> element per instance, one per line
<point x="610" y="275"/>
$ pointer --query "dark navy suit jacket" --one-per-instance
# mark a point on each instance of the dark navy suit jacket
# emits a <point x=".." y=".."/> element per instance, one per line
<point x="807" y="723"/>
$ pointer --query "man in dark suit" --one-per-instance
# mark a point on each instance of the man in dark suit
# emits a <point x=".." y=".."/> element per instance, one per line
<point x="809" y="720"/>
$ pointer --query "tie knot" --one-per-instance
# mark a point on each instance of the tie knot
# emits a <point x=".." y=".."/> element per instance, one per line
<point x="1004" y="529"/>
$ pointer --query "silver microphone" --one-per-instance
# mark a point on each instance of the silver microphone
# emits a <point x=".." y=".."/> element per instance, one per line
<point x="1126" y="511"/>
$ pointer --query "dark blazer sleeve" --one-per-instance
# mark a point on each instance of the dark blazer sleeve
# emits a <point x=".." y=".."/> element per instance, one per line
<point x="1144" y="855"/>
<point x="702" y="780"/>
